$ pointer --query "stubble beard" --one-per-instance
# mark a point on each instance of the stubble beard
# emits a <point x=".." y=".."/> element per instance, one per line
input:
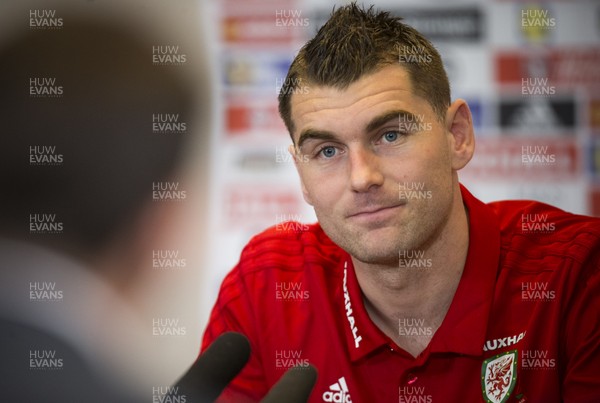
<point x="407" y="234"/>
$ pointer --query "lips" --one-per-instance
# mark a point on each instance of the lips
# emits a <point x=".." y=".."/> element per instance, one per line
<point x="373" y="211"/>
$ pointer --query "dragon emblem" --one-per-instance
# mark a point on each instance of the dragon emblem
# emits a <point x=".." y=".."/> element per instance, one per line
<point x="498" y="376"/>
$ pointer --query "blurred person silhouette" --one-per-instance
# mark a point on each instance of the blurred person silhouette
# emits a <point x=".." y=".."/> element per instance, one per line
<point x="78" y="160"/>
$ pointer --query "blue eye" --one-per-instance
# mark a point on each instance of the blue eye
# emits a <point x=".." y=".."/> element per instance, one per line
<point x="327" y="151"/>
<point x="390" y="136"/>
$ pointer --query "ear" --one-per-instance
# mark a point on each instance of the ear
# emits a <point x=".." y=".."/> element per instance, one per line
<point x="459" y="126"/>
<point x="300" y="159"/>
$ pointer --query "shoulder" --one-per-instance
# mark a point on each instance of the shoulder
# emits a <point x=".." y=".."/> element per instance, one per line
<point x="292" y="245"/>
<point x="538" y="231"/>
<point x="283" y="252"/>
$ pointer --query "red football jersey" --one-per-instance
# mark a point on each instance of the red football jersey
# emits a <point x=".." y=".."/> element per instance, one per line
<point x="524" y="324"/>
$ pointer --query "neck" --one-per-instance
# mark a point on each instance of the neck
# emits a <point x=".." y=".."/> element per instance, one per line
<point x="408" y="303"/>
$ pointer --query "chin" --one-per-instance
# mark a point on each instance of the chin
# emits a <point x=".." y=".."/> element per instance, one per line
<point x="374" y="250"/>
<point x="374" y="246"/>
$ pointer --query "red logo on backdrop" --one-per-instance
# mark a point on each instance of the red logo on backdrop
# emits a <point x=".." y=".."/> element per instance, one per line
<point x="528" y="157"/>
<point x="255" y="30"/>
<point x="243" y="118"/>
<point x="246" y="205"/>
<point x="254" y="22"/>
<point x="561" y="67"/>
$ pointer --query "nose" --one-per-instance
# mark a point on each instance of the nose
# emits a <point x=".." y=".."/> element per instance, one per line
<point x="364" y="170"/>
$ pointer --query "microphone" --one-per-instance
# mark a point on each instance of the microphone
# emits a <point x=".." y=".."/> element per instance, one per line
<point x="215" y="368"/>
<point x="224" y="359"/>
<point x="294" y="386"/>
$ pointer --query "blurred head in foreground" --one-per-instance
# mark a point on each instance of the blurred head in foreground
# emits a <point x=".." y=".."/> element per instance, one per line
<point x="96" y="116"/>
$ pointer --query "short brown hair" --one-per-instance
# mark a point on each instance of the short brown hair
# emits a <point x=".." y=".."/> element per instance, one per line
<point x="357" y="41"/>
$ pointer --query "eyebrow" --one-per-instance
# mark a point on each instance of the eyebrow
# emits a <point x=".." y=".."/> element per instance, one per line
<point x="375" y="123"/>
<point x="380" y="120"/>
<point x="312" y="134"/>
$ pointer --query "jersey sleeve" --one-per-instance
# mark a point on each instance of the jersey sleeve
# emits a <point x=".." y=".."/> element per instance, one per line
<point x="233" y="311"/>
<point x="581" y="382"/>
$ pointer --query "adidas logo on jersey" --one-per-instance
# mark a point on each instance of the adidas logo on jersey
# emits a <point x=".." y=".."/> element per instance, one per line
<point x="338" y="392"/>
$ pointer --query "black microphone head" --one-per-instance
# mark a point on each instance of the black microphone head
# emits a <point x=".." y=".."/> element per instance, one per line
<point x="215" y="368"/>
<point x="294" y="386"/>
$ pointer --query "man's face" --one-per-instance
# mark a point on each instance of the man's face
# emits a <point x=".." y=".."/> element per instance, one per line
<point x="376" y="164"/>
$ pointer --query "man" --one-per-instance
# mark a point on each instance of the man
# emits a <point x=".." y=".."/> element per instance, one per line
<point x="408" y="288"/>
<point x="78" y="221"/>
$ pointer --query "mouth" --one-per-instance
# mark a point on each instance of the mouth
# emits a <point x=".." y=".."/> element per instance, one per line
<point x="375" y="213"/>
